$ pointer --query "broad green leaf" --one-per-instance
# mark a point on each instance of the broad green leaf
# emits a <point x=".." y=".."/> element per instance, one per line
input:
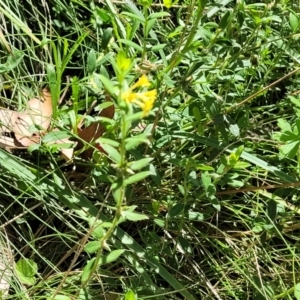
<point x="98" y="230"/>
<point x="87" y="270"/>
<point x="137" y="177"/>
<point x="140" y="164"/>
<point x="234" y="130"/>
<point x="215" y="203"/>
<point x="106" y="37"/>
<point x="297" y="291"/>
<point x="225" y="20"/>
<point x="196" y="113"/>
<point x="181" y="189"/>
<point x="149" y="26"/>
<point x="211" y="190"/>
<point x="239" y="151"/>
<point x="111" y="257"/>
<point x="103" y="14"/>
<point x="33" y="147"/>
<point x="284" y="125"/>
<point x="91" y="61"/>
<point x="194" y="216"/>
<point x="92" y="247"/>
<point x="133" y="216"/>
<point x="290" y="149"/>
<point x="26" y="269"/>
<point x="294" y="21"/>
<point x="206" y="180"/>
<point x="176" y="210"/>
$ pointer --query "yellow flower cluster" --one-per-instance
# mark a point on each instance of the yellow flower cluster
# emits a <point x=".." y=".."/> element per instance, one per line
<point x="144" y="100"/>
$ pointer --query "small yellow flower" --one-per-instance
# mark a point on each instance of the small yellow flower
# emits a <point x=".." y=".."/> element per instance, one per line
<point x="142" y="82"/>
<point x="144" y="100"/>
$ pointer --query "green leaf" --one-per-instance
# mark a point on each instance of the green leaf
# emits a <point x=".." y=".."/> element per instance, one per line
<point x="131" y="44"/>
<point x="215" y="203"/>
<point x="112" y="152"/>
<point x="290" y="149"/>
<point x="55" y="135"/>
<point x="110" y="142"/>
<point x="140" y="164"/>
<point x="134" y="17"/>
<point x="117" y="187"/>
<point x="132" y="142"/>
<point x="133" y="216"/>
<point x="137" y="177"/>
<point x="149" y="26"/>
<point x="157" y="15"/>
<point x="158" y="47"/>
<point x="107" y="84"/>
<point x="225" y="20"/>
<point x="204" y="168"/>
<point x="294" y="21"/>
<point x="239" y="151"/>
<point x="176" y="210"/>
<point x="196" y="113"/>
<point x="92" y="247"/>
<point x="87" y="270"/>
<point x="26" y="269"/>
<point x="130" y="295"/>
<point x="194" y="216"/>
<point x="106" y="37"/>
<point x="111" y="257"/>
<point x="297" y="291"/>
<point x="91" y="61"/>
<point x="284" y="125"/>
<point x="206" y="180"/>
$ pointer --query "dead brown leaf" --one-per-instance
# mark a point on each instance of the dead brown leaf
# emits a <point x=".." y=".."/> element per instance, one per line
<point x="94" y="131"/>
<point x="38" y="114"/>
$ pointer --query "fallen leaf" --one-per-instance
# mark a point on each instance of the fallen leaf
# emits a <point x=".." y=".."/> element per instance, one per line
<point x="10" y="143"/>
<point x="38" y="114"/>
<point x="94" y="131"/>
